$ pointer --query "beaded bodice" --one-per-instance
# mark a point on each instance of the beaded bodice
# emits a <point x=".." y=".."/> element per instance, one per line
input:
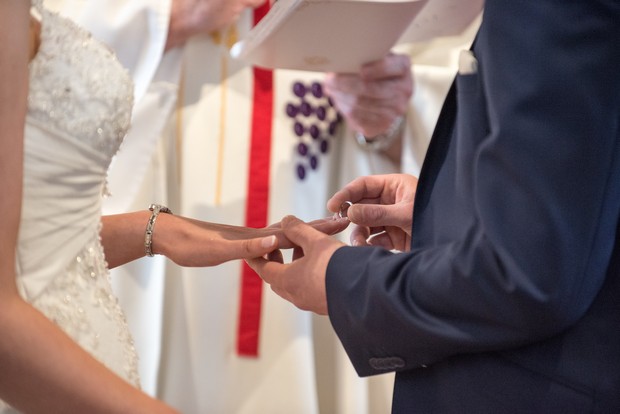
<point x="77" y="85"/>
<point x="79" y="109"/>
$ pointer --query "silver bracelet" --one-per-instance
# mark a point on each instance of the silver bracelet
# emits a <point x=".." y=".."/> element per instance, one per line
<point x="383" y="141"/>
<point x="150" y="226"/>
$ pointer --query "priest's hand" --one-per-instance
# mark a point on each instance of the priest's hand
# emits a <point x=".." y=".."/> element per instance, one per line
<point x="301" y="282"/>
<point x="192" y="17"/>
<point x="382" y="209"/>
<point x="376" y="98"/>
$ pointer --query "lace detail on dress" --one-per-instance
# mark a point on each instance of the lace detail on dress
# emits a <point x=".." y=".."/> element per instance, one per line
<point x="78" y="86"/>
<point x="82" y="304"/>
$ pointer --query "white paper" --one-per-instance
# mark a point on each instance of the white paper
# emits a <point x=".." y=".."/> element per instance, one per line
<point x="326" y="35"/>
<point x="442" y="18"/>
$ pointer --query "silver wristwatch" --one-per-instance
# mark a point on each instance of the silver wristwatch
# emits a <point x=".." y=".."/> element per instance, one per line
<point x="383" y="141"/>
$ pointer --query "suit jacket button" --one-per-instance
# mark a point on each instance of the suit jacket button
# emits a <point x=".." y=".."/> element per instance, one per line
<point x="386" y="364"/>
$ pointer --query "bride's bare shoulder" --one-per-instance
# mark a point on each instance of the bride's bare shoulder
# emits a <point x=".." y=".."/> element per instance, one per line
<point x="35" y="36"/>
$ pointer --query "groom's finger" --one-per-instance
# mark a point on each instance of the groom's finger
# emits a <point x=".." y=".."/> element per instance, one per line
<point x="276" y="275"/>
<point x="226" y="250"/>
<point x="299" y="232"/>
<point x="362" y="188"/>
<point x="376" y="215"/>
<point x="330" y="225"/>
<point x="269" y="271"/>
<point x="383" y="240"/>
<point x="275" y="256"/>
<point x="359" y="236"/>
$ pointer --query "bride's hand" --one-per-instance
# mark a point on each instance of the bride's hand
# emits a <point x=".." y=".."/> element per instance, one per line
<point x="196" y="243"/>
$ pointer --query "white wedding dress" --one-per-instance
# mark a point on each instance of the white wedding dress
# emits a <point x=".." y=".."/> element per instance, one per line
<point x="79" y="109"/>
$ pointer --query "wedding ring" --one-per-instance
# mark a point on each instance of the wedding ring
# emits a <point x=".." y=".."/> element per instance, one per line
<point x="344" y="207"/>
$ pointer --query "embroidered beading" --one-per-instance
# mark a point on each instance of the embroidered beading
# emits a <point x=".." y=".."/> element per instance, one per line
<point x="78" y="86"/>
<point x="82" y="304"/>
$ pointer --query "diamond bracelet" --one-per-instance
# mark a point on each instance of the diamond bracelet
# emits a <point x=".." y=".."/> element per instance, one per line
<point x="150" y="226"/>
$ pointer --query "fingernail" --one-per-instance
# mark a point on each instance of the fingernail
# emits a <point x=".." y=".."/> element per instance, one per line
<point x="268" y="241"/>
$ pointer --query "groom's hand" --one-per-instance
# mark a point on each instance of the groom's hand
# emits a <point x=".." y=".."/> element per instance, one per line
<point x="382" y="209"/>
<point x="301" y="282"/>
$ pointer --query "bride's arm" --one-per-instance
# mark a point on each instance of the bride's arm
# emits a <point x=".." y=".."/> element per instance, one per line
<point x="41" y="369"/>
<point x="190" y="242"/>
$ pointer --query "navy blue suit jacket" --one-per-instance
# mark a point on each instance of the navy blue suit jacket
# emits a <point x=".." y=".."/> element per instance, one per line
<point x="509" y="300"/>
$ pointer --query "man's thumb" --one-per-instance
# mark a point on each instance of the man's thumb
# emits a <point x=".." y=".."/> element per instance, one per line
<point x="377" y="215"/>
<point x="298" y="232"/>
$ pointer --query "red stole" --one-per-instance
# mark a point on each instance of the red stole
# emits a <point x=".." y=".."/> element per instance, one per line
<point x="257" y="204"/>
